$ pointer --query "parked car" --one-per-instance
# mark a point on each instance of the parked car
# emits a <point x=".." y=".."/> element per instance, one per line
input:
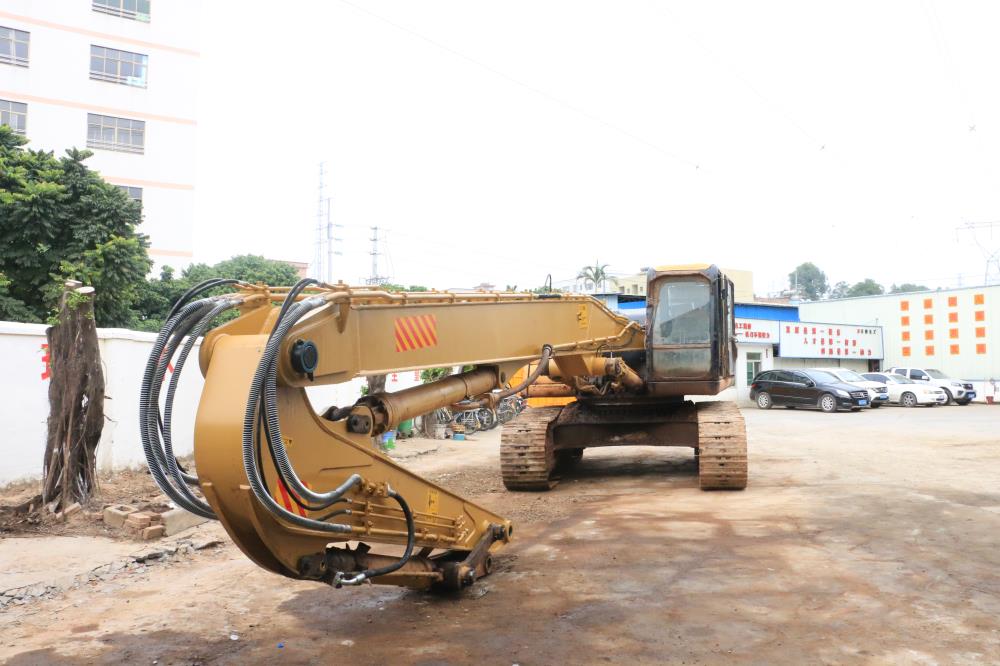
<point x="878" y="392"/>
<point x="805" y="388"/>
<point x="958" y="391"/>
<point x="906" y="392"/>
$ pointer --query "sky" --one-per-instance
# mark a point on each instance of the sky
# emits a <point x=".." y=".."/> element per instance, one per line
<point x="502" y="142"/>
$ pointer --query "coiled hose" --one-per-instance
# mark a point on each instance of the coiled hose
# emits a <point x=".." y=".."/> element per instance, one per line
<point x="149" y="412"/>
<point x="171" y="460"/>
<point x="268" y="362"/>
<point x="262" y="401"/>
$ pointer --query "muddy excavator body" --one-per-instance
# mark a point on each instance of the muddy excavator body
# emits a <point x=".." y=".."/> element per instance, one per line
<point x="306" y="494"/>
<point x="689" y="350"/>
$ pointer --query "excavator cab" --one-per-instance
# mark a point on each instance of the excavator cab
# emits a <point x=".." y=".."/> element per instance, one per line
<point x="690" y="343"/>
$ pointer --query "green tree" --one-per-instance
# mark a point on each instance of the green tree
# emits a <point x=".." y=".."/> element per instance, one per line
<point x="906" y="288"/>
<point x="390" y="286"/>
<point x="159" y="294"/>
<point x="596" y="275"/>
<point x="867" y="287"/>
<point x="809" y="281"/>
<point x="840" y="290"/>
<point x="59" y="220"/>
<point x="12" y="309"/>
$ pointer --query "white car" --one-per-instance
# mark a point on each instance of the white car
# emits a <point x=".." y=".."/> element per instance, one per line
<point x="959" y="391"/>
<point x="878" y="392"/>
<point x="908" y="393"/>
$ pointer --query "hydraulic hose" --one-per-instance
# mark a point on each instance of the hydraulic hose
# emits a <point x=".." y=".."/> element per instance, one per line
<point x="506" y="393"/>
<point x="269" y="382"/>
<point x="200" y="288"/>
<point x="149" y="407"/>
<point x="289" y="301"/>
<point x="250" y="463"/>
<point x="172" y="467"/>
<point x="389" y="568"/>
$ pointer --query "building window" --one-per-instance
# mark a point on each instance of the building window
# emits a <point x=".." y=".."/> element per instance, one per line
<point x="134" y="193"/>
<point x="14" y="115"/>
<point x="112" y="133"/>
<point x="14" y="46"/>
<point x="137" y="10"/>
<point x="117" y="66"/>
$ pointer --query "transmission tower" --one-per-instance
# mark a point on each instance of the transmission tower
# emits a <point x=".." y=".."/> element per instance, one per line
<point x="331" y="243"/>
<point x="375" y="278"/>
<point x="316" y="270"/>
<point x="326" y="244"/>
<point x="986" y="236"/>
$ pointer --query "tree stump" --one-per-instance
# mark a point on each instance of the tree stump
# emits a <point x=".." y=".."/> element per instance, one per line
<point x="76" y="401"/>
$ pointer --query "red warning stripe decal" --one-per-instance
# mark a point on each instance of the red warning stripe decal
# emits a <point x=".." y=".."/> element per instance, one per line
<point x="286" y="499"/>
<point x="415" y="332"/>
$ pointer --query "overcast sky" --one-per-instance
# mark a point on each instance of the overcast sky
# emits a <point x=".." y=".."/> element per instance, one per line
<point x="500" y="142"/>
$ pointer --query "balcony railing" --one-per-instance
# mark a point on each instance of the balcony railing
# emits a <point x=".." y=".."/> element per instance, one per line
<point x="111" y="145"/>
<point x="120" y="11"/>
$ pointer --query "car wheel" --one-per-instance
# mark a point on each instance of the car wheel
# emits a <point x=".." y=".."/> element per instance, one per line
<point x="876" y="405"/>
<point x="908" y="400"/>
<point x="828" y="403"/>
<point x="949" y="398"/>
<point x="962" y="403"/>
<point x="764" y="400"/>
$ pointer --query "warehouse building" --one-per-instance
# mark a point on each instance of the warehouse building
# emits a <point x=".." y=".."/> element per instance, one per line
<point x="770" y="335"/>
<point x="956" y="331"/>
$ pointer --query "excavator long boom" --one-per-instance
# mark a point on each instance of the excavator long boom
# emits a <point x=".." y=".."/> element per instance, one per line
<point x="307" y="481"/>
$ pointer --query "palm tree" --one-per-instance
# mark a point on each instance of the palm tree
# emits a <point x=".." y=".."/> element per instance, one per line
<point x="596" y="275"/>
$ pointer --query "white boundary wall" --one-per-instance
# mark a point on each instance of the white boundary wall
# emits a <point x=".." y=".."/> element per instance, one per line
<point x="24" y="405"/>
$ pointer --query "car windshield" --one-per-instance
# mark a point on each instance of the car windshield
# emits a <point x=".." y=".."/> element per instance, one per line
<point x="850" y="376"/>
<point x="936" y="374"/>
<point x="820" y="376"/>
<point x="900" y="379"/>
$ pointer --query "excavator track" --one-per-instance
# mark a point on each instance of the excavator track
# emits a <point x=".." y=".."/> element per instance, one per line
<point x="526" y="456"/>
<point x="722" y="447"/>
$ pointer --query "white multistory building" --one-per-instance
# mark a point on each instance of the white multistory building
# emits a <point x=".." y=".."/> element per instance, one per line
<point x="119" y="77"/>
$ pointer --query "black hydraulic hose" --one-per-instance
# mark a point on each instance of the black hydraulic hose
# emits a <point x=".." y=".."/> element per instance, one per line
<point x="507" y="392"/>
<point x="410" y="538"/>
<point x="155" y="358"/>
<point x="290" y="297"/>
<point x="262" y="429"/>
<point x="250" y="462"/>
<point x="149" y="423"/>
<point x="197" y="289"/>
<point x="268" y="381"/>
<point x="168" y="450"/>
<point x="166" y="461"/>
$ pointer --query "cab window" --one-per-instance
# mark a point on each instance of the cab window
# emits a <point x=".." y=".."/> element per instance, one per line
<point x="683" y="313"/>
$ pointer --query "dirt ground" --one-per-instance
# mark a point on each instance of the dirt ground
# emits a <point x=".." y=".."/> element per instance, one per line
<point x="863" y="538"/>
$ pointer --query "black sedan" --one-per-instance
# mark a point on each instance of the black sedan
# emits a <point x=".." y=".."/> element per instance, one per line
<point x="805" y="388"/>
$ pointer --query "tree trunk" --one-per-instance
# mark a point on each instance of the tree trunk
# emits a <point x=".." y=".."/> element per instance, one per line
<point x="376" y="383"/>
<point x="76" y="401"/>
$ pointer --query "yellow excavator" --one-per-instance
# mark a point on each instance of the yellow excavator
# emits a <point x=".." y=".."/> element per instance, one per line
<point x="295" y="488"/>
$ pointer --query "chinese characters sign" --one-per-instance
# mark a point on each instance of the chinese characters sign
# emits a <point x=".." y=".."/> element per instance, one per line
<point x="813" y="340"/>
<point x="761" y="331"/>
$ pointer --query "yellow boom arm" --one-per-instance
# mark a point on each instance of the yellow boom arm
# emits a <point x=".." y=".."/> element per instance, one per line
<point x="254" y="408"/>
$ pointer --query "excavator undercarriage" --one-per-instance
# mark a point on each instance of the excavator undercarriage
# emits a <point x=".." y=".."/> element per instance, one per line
<point x="541" y="441"/>
<point x="304" y="492"/>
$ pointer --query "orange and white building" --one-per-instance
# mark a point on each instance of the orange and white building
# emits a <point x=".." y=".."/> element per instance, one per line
<point x="956" y="331"/>
<point x="119" y="77"/>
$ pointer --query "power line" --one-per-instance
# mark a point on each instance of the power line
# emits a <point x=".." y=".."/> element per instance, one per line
<point x="537" y="91"/>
